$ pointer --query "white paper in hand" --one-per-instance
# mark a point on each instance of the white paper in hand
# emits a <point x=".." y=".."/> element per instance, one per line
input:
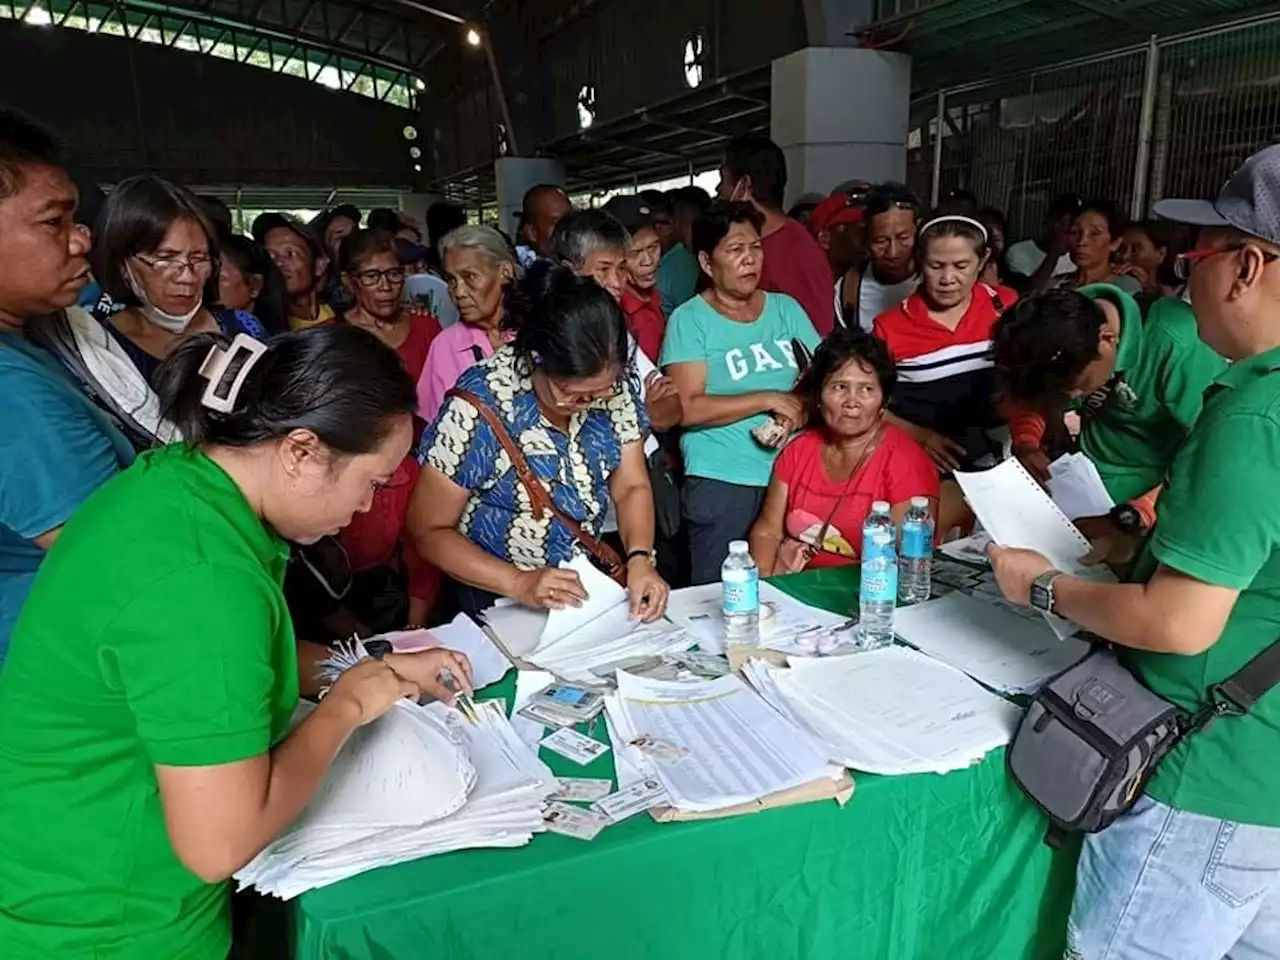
<point x="602" y="595"/>
<point x="1077" y="487"/>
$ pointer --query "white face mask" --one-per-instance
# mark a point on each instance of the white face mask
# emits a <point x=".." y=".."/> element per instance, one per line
<point x="174" y="323"/>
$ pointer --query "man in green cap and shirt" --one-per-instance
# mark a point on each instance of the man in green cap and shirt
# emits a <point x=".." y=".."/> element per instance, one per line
<point x="1138" y="385"/>
<point x="1192" y="870"/>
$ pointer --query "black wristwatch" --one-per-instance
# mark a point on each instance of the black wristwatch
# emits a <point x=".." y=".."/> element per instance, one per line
<point x="377" y="648"/>
<point x="1128" y="519"/>
<point x="1042" y="598"/>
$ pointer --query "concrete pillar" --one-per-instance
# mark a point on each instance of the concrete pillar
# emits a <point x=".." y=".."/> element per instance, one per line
<point x="514" y="176"/>
<point x="841" y="113"/>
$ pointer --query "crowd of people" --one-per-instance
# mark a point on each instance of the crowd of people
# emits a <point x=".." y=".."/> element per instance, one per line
<point x="223" y="453"/>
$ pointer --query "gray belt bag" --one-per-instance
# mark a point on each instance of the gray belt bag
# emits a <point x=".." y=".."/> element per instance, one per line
<point x="1093" y="736"/>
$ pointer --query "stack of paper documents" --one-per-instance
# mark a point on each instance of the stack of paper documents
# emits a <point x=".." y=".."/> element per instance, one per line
<point x="1077" y="487"/>
<point x="782" y="618"/>
<point x="889" y="711"/>
<point x="579" y="643"/>
<point x="419" y="781"/>
<point x="711" y="744"/>
<point x="994" y="646"/>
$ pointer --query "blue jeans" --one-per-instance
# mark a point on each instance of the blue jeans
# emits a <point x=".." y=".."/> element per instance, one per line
<point x="1164" y="884"/>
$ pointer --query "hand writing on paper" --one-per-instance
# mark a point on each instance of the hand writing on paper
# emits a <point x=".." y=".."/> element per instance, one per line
<point x="1016" y="570"/>
<point x="550" y="589"/>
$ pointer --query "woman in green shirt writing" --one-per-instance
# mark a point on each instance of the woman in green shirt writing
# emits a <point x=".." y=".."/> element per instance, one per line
<point x="145" y="743"/>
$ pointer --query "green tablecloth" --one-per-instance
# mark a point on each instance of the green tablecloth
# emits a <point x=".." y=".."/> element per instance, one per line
<point x="914" y="867"/>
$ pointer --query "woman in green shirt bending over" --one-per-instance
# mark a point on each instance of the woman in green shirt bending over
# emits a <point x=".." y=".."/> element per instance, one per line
<point x="145" y="743"/>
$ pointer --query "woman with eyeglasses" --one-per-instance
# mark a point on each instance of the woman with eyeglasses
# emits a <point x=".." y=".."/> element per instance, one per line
<point x="391" y="586"/>
<point x="374" y="278"/>
<point x="558" y="400"/>
<point x="155" y="251"/>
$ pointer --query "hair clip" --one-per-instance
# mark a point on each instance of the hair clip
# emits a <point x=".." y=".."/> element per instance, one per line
<point x="957" y="218"/>
<point x="226" y="369"/>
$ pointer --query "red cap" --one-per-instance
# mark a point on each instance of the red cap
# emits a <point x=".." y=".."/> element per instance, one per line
<point x="837" y="209"/>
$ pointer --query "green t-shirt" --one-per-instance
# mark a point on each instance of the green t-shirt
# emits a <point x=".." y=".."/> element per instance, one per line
<point x="156" y="633"/>
<point x="740" y="358"/>
<point x="1219" y="522"/>
<point x="1132" y="429"/>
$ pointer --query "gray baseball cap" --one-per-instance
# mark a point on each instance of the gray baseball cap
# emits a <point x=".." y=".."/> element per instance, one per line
<point x="1249" y="202"/>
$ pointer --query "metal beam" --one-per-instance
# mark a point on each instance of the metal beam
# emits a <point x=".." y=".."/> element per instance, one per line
<point x="1110" y="11"/>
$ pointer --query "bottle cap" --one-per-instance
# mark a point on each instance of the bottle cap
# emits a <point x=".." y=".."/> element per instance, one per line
<point x="880" y="506"/>
<point x="739" y="546"/>
<point x="922" y="502"/>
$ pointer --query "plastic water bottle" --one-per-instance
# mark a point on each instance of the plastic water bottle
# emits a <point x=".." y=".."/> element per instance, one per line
<point x="740" y="582"/>
<point x="915" y="556"/>
<point x="878" y="594"/>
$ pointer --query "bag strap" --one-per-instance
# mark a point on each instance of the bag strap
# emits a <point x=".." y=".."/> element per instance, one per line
<point x="1238" y="693"/>
<point x="539" y="497"/>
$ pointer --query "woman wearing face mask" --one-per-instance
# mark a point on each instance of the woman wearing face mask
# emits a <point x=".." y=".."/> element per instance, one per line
<point x="888" y="275"/>
<point x="145" y="744"/>
<point x="730" y="351"/>
<point x="1096" y="234"/>
<point x="940" y="339"/>
<point x="480" y="268"/>
<point x="558" y="397"/>
<point x="825" y="480"/>
<point x="249" y="280"/>
<point x="156" y="252"/>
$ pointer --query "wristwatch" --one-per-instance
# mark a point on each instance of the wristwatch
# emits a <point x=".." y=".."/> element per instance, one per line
<point x="1128" y="519"/>
<point x="651" y="554"/>
<point x="1042" y="592"/>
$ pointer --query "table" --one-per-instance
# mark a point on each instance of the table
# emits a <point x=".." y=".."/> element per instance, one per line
<point x="913" y="868"/>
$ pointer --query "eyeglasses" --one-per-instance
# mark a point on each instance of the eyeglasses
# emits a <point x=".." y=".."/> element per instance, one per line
<point x="1183" y="262"/>
<point x="197" y="263"/>
<point x="572" y="400"/>
<point x="374" y="278"/>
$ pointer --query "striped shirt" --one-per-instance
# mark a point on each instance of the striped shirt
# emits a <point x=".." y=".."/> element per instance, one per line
<point x="946" y="377"/>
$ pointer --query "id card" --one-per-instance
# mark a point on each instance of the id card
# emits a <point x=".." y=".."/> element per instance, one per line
<point x="631" y="800"/>
<point x="582" y="789"/>
<point x="573" y="821"/>
<point x="572" y="745"/>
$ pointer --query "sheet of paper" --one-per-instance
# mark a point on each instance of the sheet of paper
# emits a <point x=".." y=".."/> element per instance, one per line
<point x="990" y="644"/>
<point x="603" y="594"/>
<point x="700" y="610"/>
<point x="1077" y="487"/>
<point x="1017" y="512"/>
<point x="528" y="683"/>
<point x="738" y="748"/>
<point x="488" y="664"/>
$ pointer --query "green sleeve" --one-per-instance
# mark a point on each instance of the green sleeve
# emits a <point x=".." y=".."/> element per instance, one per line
<point x="193" y="657"/>
<point x="799" y="324"/>
<point x="1219" y="521"/>
<point x="685" y="340"/>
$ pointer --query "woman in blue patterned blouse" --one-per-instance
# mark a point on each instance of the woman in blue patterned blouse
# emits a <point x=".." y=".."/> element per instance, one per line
<point x="561" y="391"/>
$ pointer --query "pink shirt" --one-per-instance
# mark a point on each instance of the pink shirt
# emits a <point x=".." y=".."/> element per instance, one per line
<point x="454" y="349"/>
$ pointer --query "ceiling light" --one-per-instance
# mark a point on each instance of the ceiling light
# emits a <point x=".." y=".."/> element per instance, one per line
<point x="417" y="168"/>
<point x="419" y="84"/>
<point x="473" y="36"/>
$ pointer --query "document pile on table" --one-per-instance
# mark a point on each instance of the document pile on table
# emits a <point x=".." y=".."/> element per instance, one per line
<point x="583" y="643"/>
<point x="421" y="780"/>
<point x="784" y="621"/>
<point x="888" y="711"/>
<point x="711" y="744"/>
<point x="996" y="647"/>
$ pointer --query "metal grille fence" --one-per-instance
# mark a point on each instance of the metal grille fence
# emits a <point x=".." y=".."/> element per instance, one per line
<point x="1174" y="118"/>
